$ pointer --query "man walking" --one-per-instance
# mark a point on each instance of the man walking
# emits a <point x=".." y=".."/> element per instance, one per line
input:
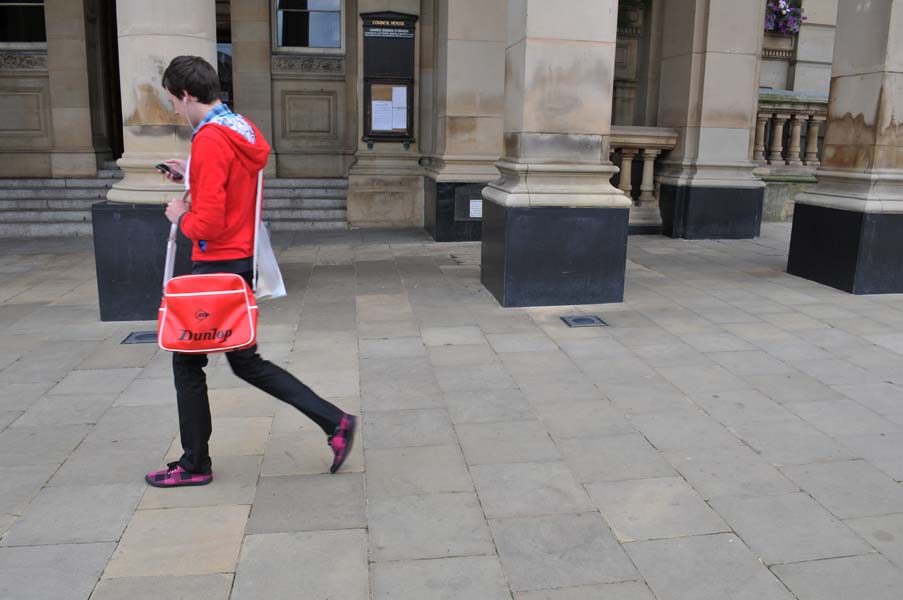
<point x="227" y="152"/>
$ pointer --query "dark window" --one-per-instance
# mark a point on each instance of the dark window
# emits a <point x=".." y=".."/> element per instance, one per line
<point x="309" y="23"/>
<point x="22" y="21"/>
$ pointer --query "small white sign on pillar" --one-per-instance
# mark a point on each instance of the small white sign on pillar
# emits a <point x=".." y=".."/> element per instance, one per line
<point x="476" y="208"/>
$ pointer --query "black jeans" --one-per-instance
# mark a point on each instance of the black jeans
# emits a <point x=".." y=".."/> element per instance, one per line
<point x="195" y="424"/>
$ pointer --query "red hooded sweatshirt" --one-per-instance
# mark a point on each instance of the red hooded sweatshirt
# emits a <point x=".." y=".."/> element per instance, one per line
<point x="223" y="182"/>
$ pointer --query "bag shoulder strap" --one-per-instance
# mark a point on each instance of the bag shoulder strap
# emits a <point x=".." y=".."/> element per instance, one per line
<point x="258" y="215"/>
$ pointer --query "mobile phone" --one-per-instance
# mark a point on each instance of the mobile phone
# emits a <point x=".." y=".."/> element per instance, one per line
<point x="164" y="168"/>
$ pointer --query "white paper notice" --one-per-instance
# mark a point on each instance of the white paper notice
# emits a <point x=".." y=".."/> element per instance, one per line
<point x="399" y="118"/>
<point x="399" y="97"/>
<point x="476" y="209"/>
<point x="382" y="116"/>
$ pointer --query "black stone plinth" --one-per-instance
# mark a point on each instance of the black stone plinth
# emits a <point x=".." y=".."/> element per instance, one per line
<point x="129" y="251"/>
<point x="860" y="253"/>
<point x="701" y="213"/>
<point x="554" y="256"/>
<point x="447" y="217"/>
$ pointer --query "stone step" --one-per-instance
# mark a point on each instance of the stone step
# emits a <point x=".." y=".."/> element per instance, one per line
<point x="45" y="184"/>
<point x="53" y="193"/>
<point x="83" y="204"/>
<point x="110" y="165"/>
<point x="305" y="225"/>
<point x="30" y="230"/>
<point x="303" y="193"/>
<point x="44" y="216"/>
<point x="86" y="203"/>
<point x="295" y="183"/>
<point x="304" y="203"/>
<point x="62" y="207"/>
<point x="311" y="215"/>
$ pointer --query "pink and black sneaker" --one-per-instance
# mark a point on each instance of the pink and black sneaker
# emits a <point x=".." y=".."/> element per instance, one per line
<point x="176" y="476"/>
<point x="341" y="441"/>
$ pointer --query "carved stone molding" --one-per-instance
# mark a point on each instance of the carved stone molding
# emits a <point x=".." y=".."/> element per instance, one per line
<point x="20" y="61"/>
<point x="308" y="65"/>
<point x="775" y="54"/>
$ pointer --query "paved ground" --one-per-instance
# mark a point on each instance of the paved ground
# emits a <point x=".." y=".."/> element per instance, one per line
<point x="735" y="433"/>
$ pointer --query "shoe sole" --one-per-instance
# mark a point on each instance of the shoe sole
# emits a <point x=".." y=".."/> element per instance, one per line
<point x="173" y="485"/>
<point x="350" y="444"/>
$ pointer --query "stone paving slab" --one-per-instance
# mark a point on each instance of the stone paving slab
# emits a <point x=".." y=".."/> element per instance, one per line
<point x="191" y="587"/>
<point x="80" y="409"/>
<point x="308" y="503"/>
<point x="22" y="446"/>
<point x="76" y="514"/>
<point x="729" y="471"/>
<point x="709" y="567"/>
<point x="441" y="579"/>
<point x="528" y="489"/>
<point x="631" y="590"/>
<point x="645" y="509"/>
<point x="63" y="572"/>
<point x="427" y="526"/>
<point x="160" y="542"/>
<point x="720" y="387"/>
<point x="314" y="564"/>
<point x="559" y="551"/>
<point x="789" y="528"/>
<point x="394" y="472"/>
<point x="849" y="488"/>
<point x="871" y="577"/>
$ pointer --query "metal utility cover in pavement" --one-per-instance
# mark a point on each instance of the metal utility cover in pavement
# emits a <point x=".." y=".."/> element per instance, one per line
<point x="141" y="337"/>
<point x="584" y="321"/>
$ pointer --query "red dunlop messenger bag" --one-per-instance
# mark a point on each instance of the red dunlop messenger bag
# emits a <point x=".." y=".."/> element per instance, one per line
<point x="207" y="313"/>
<point x="201" y="314"/>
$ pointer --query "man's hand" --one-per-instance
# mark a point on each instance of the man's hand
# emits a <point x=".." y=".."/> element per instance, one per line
<point x="176" y="208"/>
<point x="177" y="165"/>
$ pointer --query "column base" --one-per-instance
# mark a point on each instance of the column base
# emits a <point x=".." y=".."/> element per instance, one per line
<point x="852" y="251"/>
<point x="552" y="256"/>
<point x="448" y="216"/>
<point x="129" y="251"/>
<point x="695" y="213"/>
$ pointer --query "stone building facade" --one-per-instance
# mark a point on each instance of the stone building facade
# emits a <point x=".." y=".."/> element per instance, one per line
<point x="646" y="111"/>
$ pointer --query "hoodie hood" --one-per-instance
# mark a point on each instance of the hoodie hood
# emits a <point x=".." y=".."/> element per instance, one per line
<point x="249" y="145"/>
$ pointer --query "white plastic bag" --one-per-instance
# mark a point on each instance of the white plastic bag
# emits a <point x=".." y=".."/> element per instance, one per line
<point x="269" y="277"/>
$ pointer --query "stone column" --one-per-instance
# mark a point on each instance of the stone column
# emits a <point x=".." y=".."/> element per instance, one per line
<point x="251" y="80"/>
<point x="70" y="104"/>
<point x="848" y="229"/>
<point x="150" y="35"/>
<point x="554" y="228"/>
<point x="709" y="93"/>
<point x="130" y="230"/>
<point x="469" y="74"/>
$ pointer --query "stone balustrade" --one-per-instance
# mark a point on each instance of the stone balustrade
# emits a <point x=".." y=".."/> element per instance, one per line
<point x="788" y="127"/>
<point x="787" y="146"/>
<point x="647" y="144"/>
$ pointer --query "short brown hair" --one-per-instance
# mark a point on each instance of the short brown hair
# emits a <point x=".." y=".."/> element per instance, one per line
<point x="194" y="75"/>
